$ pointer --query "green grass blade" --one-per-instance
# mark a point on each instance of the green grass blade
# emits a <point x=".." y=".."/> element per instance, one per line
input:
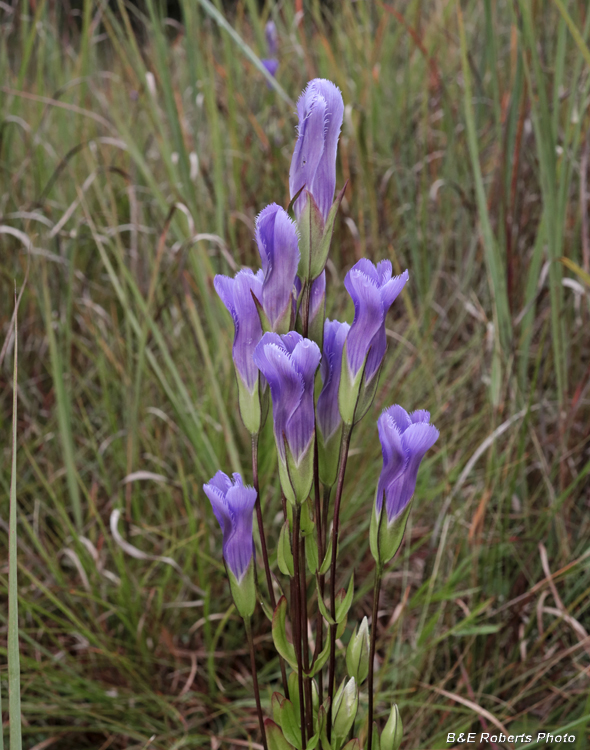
<point x="220" y="19"/>
<point x="63" y="407"/>
<point x="13" y="647"/>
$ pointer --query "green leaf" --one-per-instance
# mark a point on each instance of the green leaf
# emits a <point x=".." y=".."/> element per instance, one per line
<point x="279" y="633"/>
<point x="290" y="724"/>
<point x="477" y="630"/>
<point x="325" y="566"/>
<point x="274" y="736"/>
<point x="284" y="552"/>
<point x="343" y="603"/>
<point x="276" y="702"/>
<point x="324" y="610"/>
<point x="13" y="653"/>
<point x="311" y="554"/>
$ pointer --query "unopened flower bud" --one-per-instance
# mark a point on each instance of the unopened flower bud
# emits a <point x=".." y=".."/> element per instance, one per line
<point x="346" y="703"/>
<point x="357" y="653"/>
<point x="392" y="734"/>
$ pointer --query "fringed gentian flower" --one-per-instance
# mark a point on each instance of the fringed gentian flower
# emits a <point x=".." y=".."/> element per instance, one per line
<point x="320" y="110"/>
<point x="289" y="364"/>
<point x="405" y="438"/>
<point x="276" y="237"/>
<point x="313" y="167"/>
<point x="328" y="413"/>
<point x="373" y="291"/>
<point x="233" y="506"/>
<point x="236" y="295"/>
<point x="272" y="42"/>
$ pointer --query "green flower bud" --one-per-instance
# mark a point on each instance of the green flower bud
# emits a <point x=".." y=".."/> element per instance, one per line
<point x="250" y="409"/>
<point x="357" y="653"/>
<point x="393" y="732"/>
<point x="244" y="591"/>
<point x="346" y="703"/>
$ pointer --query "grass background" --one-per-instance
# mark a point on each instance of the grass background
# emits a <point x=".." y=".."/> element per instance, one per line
<point x="135" y="152"/>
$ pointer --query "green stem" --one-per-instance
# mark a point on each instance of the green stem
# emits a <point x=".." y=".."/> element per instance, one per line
<point x="297" y="618"/>
<point x="258" y="508"/>
<point x="304" y="639"/>
<point x="376" y="591"/>
<point x="346" y="434"/>
<point x="248" y="627"/>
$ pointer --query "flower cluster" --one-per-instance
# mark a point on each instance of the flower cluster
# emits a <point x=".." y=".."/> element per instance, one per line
<point x="281" y="339"/>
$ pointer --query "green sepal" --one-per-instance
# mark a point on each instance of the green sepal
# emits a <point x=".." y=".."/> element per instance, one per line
<point x="348" y="391"/>
<point x="244" y="592"/>
<point x="315" y="331"/>
<point x="346" y="703"/>
<point x="393" y="731"/>
<point x="264" y="321"/>
<point x="249" y="404"/>
<point x="328" y="455"/>
<point x="320" y="256"/>
<point x="343" y="605"/>
<point x="274" y="736"/>
<point x="284" y="552"/>
<point x="366" y="396"/>
<point x="279" y="633"/>
<point x="357" y="653"/>
<point x="376" y="744"/>
<point x="327" y="561"/>
<point x="290" y="724"/>
<point x="276" y="702"/>
<point x="290" y="207"/>
<point x="385" y="539"/>
<point x="300" y="476"/>
<point x="311" y="233"/>
<point x="286" y="482"/>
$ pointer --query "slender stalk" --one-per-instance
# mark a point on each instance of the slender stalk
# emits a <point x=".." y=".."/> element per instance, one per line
<point x="305" y="300"/>
<point x="248" y="627"/>
<point x="346" y="434"/>
<point x="258" y="508"/>
<point x="319" y="641"/>
<point x="304" y="639"/>
<point x="297" y="618"/>
<point x="376" y="591"/>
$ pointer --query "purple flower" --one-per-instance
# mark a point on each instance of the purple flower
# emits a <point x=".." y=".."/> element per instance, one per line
<point x="272" y="65"/>
<point x="272" y="38"/>
<point x="236" y="295"/>
<point x="289" y="364"/>
<point x="373" y="291"/>
<point x="233" y="504"/>
<point x="328" y="413"/>
<point x="405" y="438"/>
<point x="276" y="237"/>
<point x="320" y="110"/>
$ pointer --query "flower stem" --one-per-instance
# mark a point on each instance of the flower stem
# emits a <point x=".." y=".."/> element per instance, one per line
<point x="296" y="619"/>
<point x="258" y="508"/>
<point x="376" y="591"/>
<point x="255" y="680"/>
<point x="304" y="638"/>
<point x="305" y="300"/>
<point x="344" y="445"/>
